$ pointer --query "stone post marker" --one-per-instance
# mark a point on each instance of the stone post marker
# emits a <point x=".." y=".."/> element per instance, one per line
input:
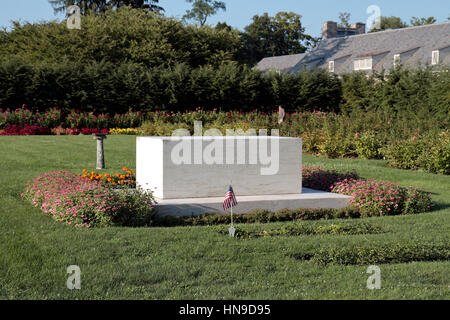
<point x="100" y="154"/>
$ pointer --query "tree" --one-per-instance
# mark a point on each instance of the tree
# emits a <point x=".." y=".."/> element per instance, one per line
<point x="151" y="5"/>
<point x="272" y="36"/>
<point x="202" y="9"/>
<point x="123" y="34"/>
<point x="100" y="6"/>
<point x="390" y="23"/>
<point x="345" y="19"/>
<point x="223" y="26"/>
<point x="422" y="21"/>
<point x="85" y="5"/>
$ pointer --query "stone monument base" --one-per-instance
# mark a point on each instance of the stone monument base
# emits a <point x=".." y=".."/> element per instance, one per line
<point x="311" y="199"/>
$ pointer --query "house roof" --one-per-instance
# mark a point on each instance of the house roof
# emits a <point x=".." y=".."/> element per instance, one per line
<point x="414" y="44"/>
<point x="280" y="63"/>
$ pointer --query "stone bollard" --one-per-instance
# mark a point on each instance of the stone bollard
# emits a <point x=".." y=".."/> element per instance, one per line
<point x="100" y="154"/>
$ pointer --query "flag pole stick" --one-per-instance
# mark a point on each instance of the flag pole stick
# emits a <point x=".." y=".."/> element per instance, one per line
<point x="231" y="184"/>
<point x="232" y="216"/>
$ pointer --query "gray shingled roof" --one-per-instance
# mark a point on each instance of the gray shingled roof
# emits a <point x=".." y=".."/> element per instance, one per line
<point x="414" y="44"/>
<point x="280" y="63"/>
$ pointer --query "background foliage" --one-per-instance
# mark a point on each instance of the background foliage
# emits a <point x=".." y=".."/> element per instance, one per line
<point x="119" y="36"/>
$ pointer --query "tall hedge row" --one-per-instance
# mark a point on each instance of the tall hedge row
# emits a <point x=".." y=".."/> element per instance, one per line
<point x="413" y="94"/>
<point x="114" y="88"/>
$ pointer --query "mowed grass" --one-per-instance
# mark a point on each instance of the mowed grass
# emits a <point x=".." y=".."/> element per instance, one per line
<point x="197" y="262"/>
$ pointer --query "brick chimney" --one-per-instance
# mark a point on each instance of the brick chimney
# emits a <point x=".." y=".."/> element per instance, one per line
<point x="360" y="28"/>
<point x="329" y="30"/>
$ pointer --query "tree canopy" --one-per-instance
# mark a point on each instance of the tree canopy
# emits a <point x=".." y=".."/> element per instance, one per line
<point x="120" y="35"/>
<point x="269" y="36"/>
<point x="397" y="23"/>
<point x="422" y="21"/>
<point x="344" y="18"/>
<point x="85" y="5"/>
<point x="202" y="9"/>
<point x="100" y="6"/>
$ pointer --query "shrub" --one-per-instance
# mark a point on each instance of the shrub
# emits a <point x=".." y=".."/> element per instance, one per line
<point x="313" y="140"/>
<point x="428" y="152"/>
<point x="385" y="253"/>
<point x="80" y="202"/>
<point x="319" y="179"/>
<point x="52" y="118"/>
<point x="122" y="180"/>
<point x="102" y="121"/>
<point x="162" y="129"/>
<point x="377" y="198"/>
<point x="368" y="146"/>
<point x="25" y="130"/>
<point x="257" y="216"/>
<point x="80" y="120"/>
<point x="131" y="119"/>
<point x="405" y="154"/>
<point x="336" y="142"/>
<point x="74" y="131"/>
<point x="20" y="116"/>
<point x="439" y="157"/>
<point x="60" y="131"/>
<point x="115" y="36"/>
<point x="126" y="131"/>
<point x="298" y="229"/>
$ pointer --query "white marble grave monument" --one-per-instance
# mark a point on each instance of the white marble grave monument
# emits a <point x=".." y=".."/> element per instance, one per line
<point x="190" y="175"/>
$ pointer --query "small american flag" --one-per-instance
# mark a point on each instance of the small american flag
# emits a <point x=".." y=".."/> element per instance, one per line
<point x="230" y="200"/>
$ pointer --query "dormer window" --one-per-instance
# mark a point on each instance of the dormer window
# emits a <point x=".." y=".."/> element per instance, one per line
<point x="435" y="57"/>
<point x="331" y="66"/>
<point x="396" y="60"/>
<point x="363" y="64"/>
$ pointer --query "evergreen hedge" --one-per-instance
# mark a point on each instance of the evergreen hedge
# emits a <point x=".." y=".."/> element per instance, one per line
<point x="414" y="95"/>
<point x="104" y="87"/>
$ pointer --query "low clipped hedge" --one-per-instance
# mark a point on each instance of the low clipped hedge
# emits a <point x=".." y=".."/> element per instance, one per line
<point x="257" y="216"/>
<point x="300" y="229"/>
<point x="379" y="254"/>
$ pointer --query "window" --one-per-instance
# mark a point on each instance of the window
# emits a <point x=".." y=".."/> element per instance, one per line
<point x="396" y="60"/>
<point x="331" y="66"/>
<point x="435" y="57"/>
<point x="363" y="64"/>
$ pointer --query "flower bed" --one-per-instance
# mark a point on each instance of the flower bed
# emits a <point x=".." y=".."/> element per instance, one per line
<point x="410" y="145"/>
<point x="126" y="179"/>
<point x="127" y="131"/>
<point x="378" y="198"/>
<point x="77" y="201"/>
<point x="25" y="130"/>
<point x="74" y="131"/>
<point x="319" y="179"/>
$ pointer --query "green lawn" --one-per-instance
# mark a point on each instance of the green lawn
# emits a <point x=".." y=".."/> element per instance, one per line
<point x="196" y="262"/>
